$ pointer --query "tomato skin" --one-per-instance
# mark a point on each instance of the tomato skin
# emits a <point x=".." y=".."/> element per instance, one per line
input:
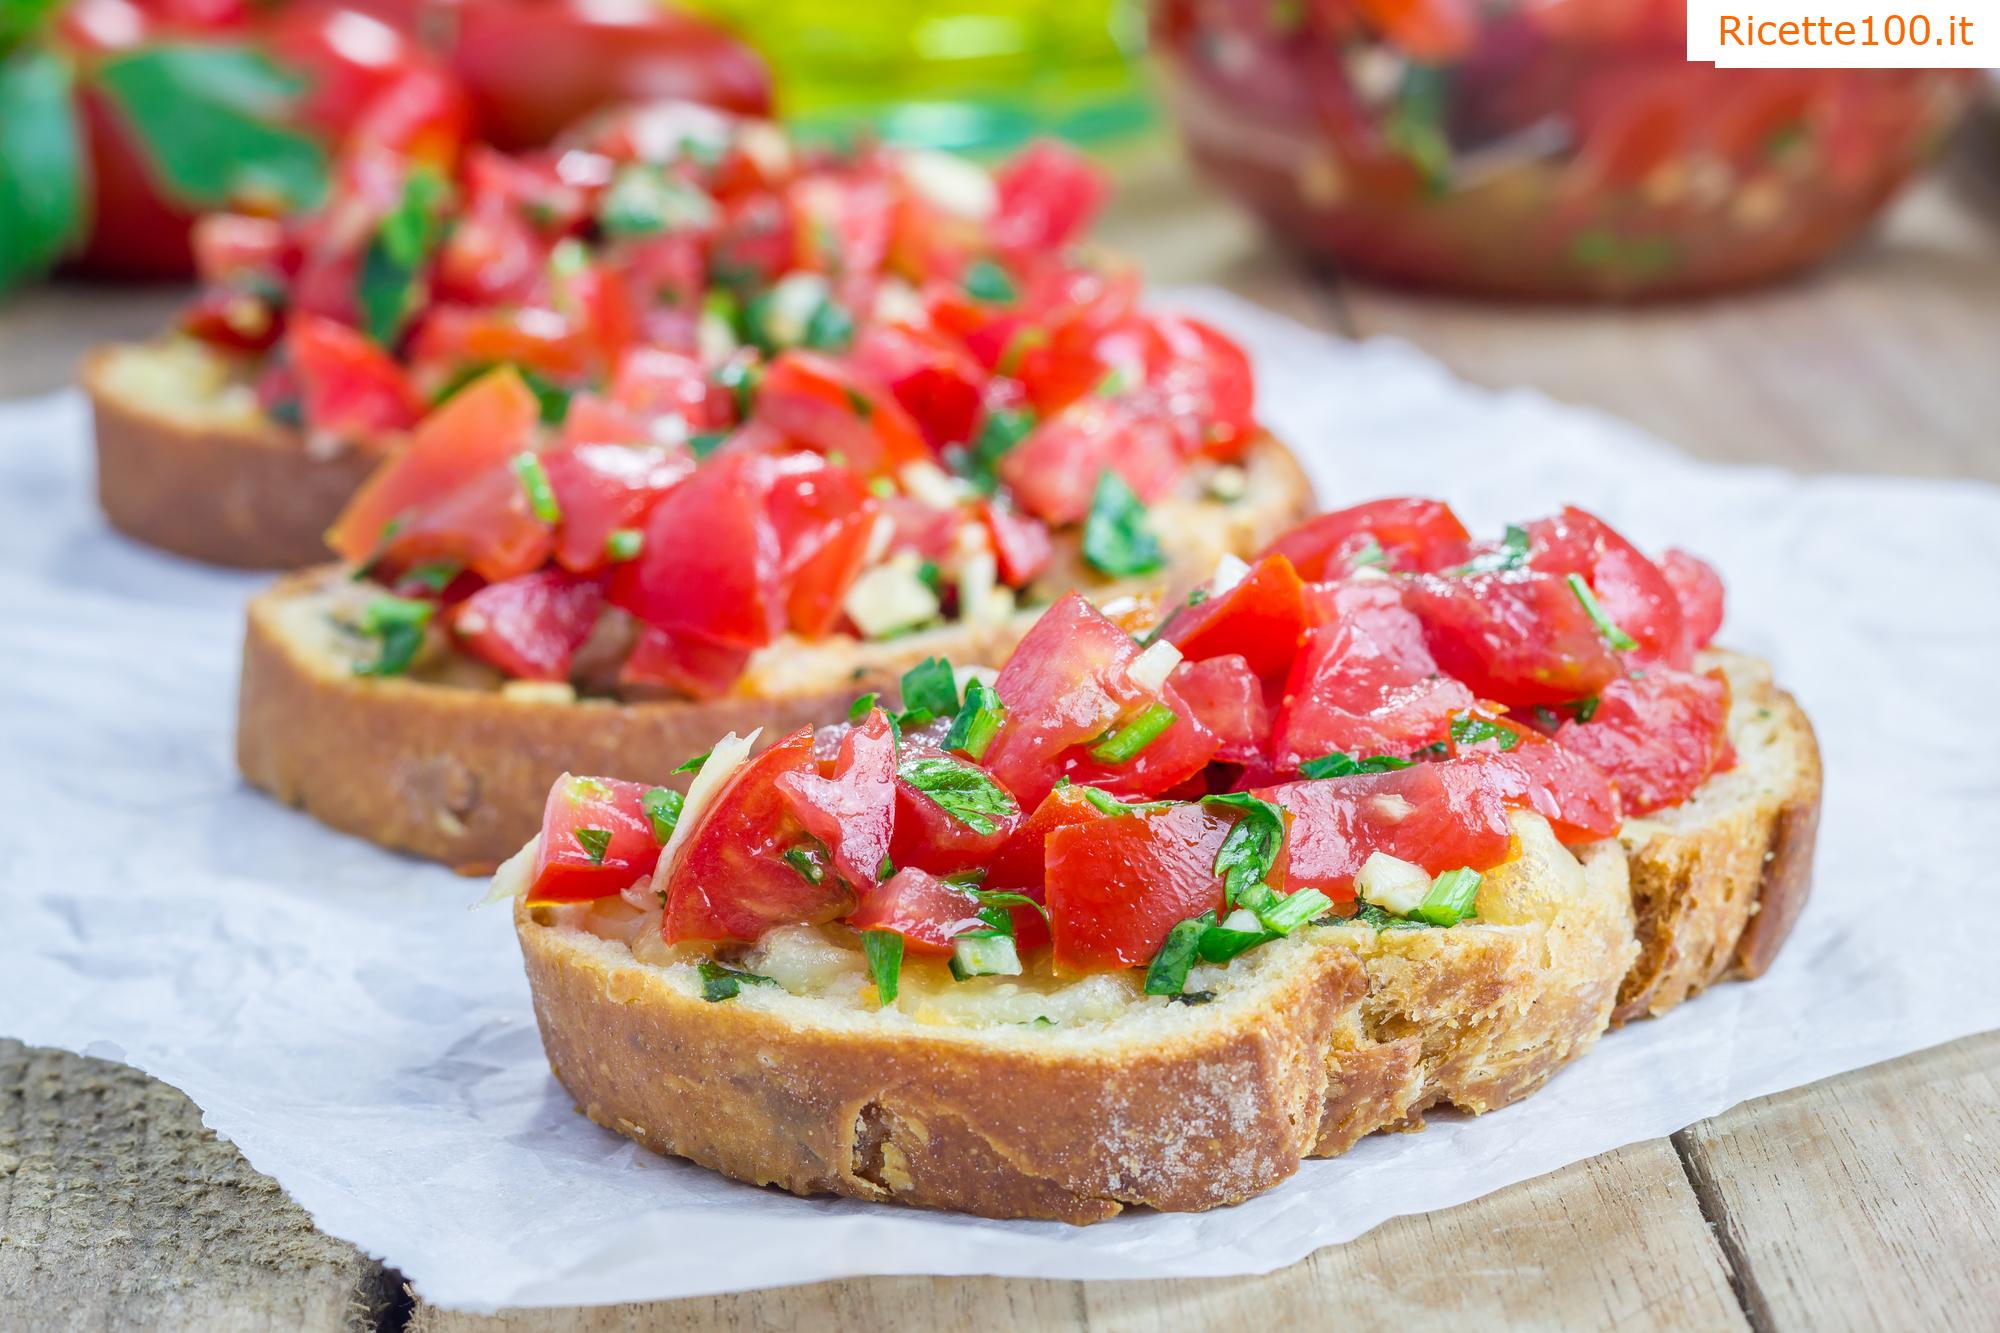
<point x="935" y="381"/>
<point x="925" y="910"/>
<point x="1554" y="781"/>
<point x="602" y="487"/>
<point x="1116" y="886"/>
<point x="485" y="524"/>
<point x="1053" y="472"/>
<point x="823" y="515"/>
<point x="1364" y="683"/>
<point x="1698" y="589"/>
<point x="1048" y="196"/>
<point x="1637" y="597"/>
<point x="684" y="661"/>
<point x="1657" y="737"/>
<point x="1520" y="637"/>
<point x="710" y="562"/>
<point x="1224" y="694"/>
<point x="1202" y="374"/>
<point x="729" y="879"/>
<point x="1439" y="816"/>
<point x="1261" y="620"/>
<point x="351" y="388"/>
<point x="817" y="403"/>
<point x="1022" y="547"/>
<point x="565" y="871"/>
<point x="483" y="425"/>
<point x="530" y="627"/>
<point x="1415" y="534"/>
<point x="532" y="69"/>
<point x="853" y="809"/>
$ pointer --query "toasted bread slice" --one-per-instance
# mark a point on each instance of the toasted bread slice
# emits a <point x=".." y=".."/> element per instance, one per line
<point x="1718" y="880"/>
<point x="454" y="765"/>
<point x="186" y="461"/>
<point x="1040" y="1097"/>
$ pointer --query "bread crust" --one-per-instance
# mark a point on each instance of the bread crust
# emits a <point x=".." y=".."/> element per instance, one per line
<point x="247" y="493"/>
<point x="1208" y="1106"/>
<point x="1718" y="882"/>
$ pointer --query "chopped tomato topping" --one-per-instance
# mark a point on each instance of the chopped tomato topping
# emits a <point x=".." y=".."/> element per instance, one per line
<point x="530" y="627"/>
<point x="602" y="488"/>
<point x="1048" y="196"/>
<point x="1520" y="637"/>
<point x="710" y="562"/>
<point x="1053" y="472"/>
<point x="1531" y="772"/>
<point x="684" y="662"/>
<point x="1633" y="592"/>
<point x="351" y="388"/>
<point x="1261" y="620"/>
<point x="928" y="912"/>
<point x="823" y="515"/>
<point x="1117" y="885"/>
<point x="1698" y="588"/>
<point x="1225" y="696"/>
<point x="1438" y="816"/>
<point x="596" y="840"/>
<point x="814" y="402"/>
<point x="853" y="809"/>
<point x="1021" y="544"/>
<point x="1415" y="535"/>
<point x="1656" y="736"/>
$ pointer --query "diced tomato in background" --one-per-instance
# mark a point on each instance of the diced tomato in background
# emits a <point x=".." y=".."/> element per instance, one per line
<point x="710" y="562"/>
<point x="1415" y="534"/>
<point x="1117" y="886"/>
<point x="852" y="809"/>
<point x="1656" y="736"/>
<point x="1439" y="816"/>
<point x="566" y="870"/>
<point x="603" y="487"/>
<point x="351" y="388"/>
<point x="684" y="662"/>
<point x="1699" y="590"/>
<point x="818" y="404"/>
<point x="1203" y="375"/>
<point x="1261" y="620"/>
<point x="823" y="515"/>
<point x="1053" y="472"/>
<point x="934" y="380"/>
<point x="530" y="627"/>
<point x="1048" y="196"/>
<point x="729" y="879"/>
<point x="453" y="337"/>
<point x="1534" y="773"/>
<point x="1521" y="637"/>
<point x="486" y="524"/>
<point x="926" y="911"/>
<point x="655" y="382"/>
<point x="1021" y="544"/>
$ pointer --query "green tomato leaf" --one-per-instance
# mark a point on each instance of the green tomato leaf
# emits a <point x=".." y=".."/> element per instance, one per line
<point x="214" y="121"/>
<point x="41" y="187"/>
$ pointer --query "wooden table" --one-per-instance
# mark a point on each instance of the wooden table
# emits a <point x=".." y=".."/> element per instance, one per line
<point x="1870" y="1200"/>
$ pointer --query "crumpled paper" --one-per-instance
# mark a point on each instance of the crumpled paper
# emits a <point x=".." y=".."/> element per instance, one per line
<point x="345" y="1018"/>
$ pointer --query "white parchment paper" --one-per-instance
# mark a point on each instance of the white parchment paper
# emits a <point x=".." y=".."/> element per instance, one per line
<point x="362" y="1036"/>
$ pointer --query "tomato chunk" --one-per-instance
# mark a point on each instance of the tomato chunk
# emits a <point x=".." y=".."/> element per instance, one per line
<point x="602" y="487"/>
<point x="1413" y="534"/>
<point x="1520" y="637"/>
<point x="935" y="381"/>
<point x="1439" y="816"/>
<point x="684" y="661"/>
<point x="1225" y="696"/>
<point x="1053" y="472"/>
<point x="596" y="840"/>
<point x="1637" y="597"/>
<point x="710" y="562"/>
<point x="1116" y="886"/>
<point x="928" y="835"/>
<point x="1532" y="772"/>
<point x="486" y="524"/>
<point x="818" y="404"/>
<point x="729" y="879"/>
<point x="928" y="912"/>
<point x="483" y="425"/>
<point x="351" y="387"/>
<point x="1048" y="195"/>
<point x="853" y="809"/>
<point x="823" y="515"/>
<point x="530" y="627"/>
<point x="1261" y="620"/>
<point x="1021" y="545"/>
<point x="1698" y="588"/>
<point x="1656" y="736"/>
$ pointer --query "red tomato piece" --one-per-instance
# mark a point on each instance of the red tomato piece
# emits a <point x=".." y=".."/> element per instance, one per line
<point x="1698" y="588"/>
<point x="1421" y="535"/>
<point x="1116" y="886"/>
<point x="1439" y="816"/>
<point x="823" y="515"/>
<point x="729" y="879"/>
<point x="452" y="337"/>
<point x="1532" y="772"/>
<point x="602" y="488"/>
<point x="239" y="250"/>
<point x="711" y="559"/>
<point x="1225" y="696"/>
<point x="530" y="627"/>
<point x="936" y="382"/>
<point x="815" y="402"/>
<point x="233" y="320"/>
<point x="853" y="809"/>
<point x="1053" y="472"/>
<point x="1633" y="592"/>
<point x="926" y="911"/>
<point x="683" y="661"/>
<point x="1261" y="620"/>
<point x="486" y="524"/>
<point x="596" y="840"/>
<point x="1203" y="375"/>
<point x="1021" y="545"/>
<point x="1656" y="737"/>
<point x="1048" y="196"/>
<point x="1364" y="683"/>
<point x="1520" y="637"/>
<point x="481" y="426"/>
<point x="655" y="382"/>
<point x="928" y="836"/>
<point x="351" y="387"/>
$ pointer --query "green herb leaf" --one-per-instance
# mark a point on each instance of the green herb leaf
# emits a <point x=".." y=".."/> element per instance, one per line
<point x="1001" y="899"/>
<point x="1470" y="729"/>
<point x="595" y="842"/>
<point x="741" y="378"/>
<point x="397" y="255"/>
<point x="41" y="189"/>
<point x="1123" y="743"/>
<point x="987" y="281"/>
<point x="829" y="328"/>
<point x="399" y="622"/>
<point x="978" y="720"/>
<point x="705" y="442"/>
<point x="1370" y="556"/>
<point x="929" y="687"/>
<point x="965" y="793"/>
<point x="1338" y="765"/>
<point x="694" y="765"/>
<point x="1453" y="897"/>
<point x="884" y="951"/>
<point x="437" y="575"/>
<point x="1250" y="850"/>
<point x="1614" y="636"/>
<point x="624" y="544"/>
<point x="1000" y="430"/>
<point x="1586" y="708"/>
<point x="720" y="983"/>
<point x="859" y="402"/>
<point x="645" y="201"/>
<point x="213" y="120"/>
<point x="1219" y="944"/>
<point x="1373" y="916"/>
<point x="1512" y="553"/>
<point x="534" y="479"/>
<point x="808" y="860"/>
<point x="1288" y="913"/>
<point x="1111" y="805"/>
<point x="663" y="807"/>
<point x="858" y="711"/>
<point x="1116" y="539"/>
<point x="1415" y="124"/>
<point x="1167" y="974"/>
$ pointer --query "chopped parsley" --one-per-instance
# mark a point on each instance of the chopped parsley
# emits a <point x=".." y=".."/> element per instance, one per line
<point x="978" y="720"/>
<point x="1251" y="847"/>
<point x="930" y="690"/>
<point x="1338" y="765"/>
<point x="961" y="791"/>
<point x="387" y="287"/>
<point x="720" y="983"/>
<point x="1469" y="729"/>
<point x="694" y="765"/>
<point x="1614" y="636"/>
<point x="663" y="808"/>
<point x="399" y="623"/>
<point x="1116" y="538"/>
<point x="595" y="842"/>
<point x="987" y="281"/>
<point x="1167" y="974"/>
<point x="1512" y="553"/>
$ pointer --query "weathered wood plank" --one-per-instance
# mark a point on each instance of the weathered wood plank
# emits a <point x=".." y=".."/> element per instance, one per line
<point x="1869" y="1201"/>
<point x="118" y="1209"/>
<point x="1617" y="1241"/>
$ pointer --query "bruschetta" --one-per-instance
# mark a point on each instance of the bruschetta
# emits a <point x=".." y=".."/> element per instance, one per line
<point x="1457" y="764"/>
